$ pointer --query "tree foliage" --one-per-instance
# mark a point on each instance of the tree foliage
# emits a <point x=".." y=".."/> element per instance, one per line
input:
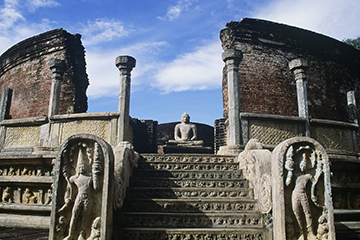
<point x="353" y="42"/>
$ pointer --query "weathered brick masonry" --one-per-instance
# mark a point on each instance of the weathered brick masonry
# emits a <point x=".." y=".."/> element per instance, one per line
<point x="268" y="86"/>
<point x="24" y="68"/>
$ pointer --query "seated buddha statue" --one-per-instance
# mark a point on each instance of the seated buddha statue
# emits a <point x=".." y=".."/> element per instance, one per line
<point x="185" y="133"/>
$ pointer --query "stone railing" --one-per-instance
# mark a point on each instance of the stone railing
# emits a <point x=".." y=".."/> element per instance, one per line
<point x="337" y="137"/>
<point x="42" y="132"/>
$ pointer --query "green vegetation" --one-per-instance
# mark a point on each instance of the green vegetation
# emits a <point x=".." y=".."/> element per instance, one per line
<point x="353" y="42"/>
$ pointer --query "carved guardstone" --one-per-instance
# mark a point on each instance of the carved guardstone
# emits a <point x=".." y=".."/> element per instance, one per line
<point x="302" y="202"/>
<point x="255" y="162"/>
<point x="83" y="190"/>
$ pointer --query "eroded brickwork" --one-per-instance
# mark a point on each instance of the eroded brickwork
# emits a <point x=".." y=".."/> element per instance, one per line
<point x="268" y="86"/>
<point x="24" y="68"/>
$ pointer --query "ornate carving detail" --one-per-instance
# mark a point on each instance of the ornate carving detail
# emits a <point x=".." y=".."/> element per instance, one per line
<point x="256" y="165"/>
<point x="26" y="195"/>
<point x="197" y="235"/>
<point x="305" y="191"/>
<point x="188" y="167"/>
<point x="189" y="183"/>
<point x="333" y="138"/>
<point x="7" y="195"/>
<point x="188" y="159"/>
<point x="192" y="174"/>
<point x="270" y="132"/>
<point x="83" y="174"/>
<point x="125" y="160"/>
<point x="190" y="193"/>
<point x="25" y="171"/>
<point x="190" y="220"/>
<point x="213" y="206"/>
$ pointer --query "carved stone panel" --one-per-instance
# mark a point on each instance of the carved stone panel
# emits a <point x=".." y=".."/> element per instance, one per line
<point x="302" y="202"/>
<point x="83" y="190"/>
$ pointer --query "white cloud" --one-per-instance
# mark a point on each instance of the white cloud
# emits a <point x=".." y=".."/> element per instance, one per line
<point x="21" y="31"/>
<point x="9" y="15"/>
<point x="175" y="11"/>
<point x="34" y="4"/>
<point x="13" y="25"/>
<point x="104" y="76"/>
<point x="338" y="19"/>
<point x="103" y="30"/>
<point x="198" y="70"/>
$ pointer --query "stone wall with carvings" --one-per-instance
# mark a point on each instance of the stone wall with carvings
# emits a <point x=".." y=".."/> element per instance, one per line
<point x="24" y="68"/>
<point x="266" y="83"/>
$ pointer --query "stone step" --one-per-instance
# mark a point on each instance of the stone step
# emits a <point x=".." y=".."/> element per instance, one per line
<point x="192" y="220"/>
<point x="347" y="230"/>
<point x="188" y="166"/>
<point x="190" y="205"/>
<point x="187" y="158"/>
<point x="187" y="183"/>
<point x="192" y="234"/>
<point x="180" y="193"/>
<point x="346" y="215"/>
<point x="141" y="173"/>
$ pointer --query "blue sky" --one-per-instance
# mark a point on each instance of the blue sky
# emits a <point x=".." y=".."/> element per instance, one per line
<point x="175" y="42"/>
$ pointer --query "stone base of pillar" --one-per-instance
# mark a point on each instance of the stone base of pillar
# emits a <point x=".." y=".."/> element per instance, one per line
<point x="233" y="150"/>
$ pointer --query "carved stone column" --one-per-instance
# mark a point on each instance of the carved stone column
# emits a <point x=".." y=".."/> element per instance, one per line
<point x="232" y="58"/>
<point x="298" y="67"/>
<point x="351" y="102"/>
<point x="125" y="64"/>
<point x="58" y="68"/>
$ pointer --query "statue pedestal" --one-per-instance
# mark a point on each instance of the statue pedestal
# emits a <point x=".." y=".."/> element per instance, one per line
<point x="184" y="149"/>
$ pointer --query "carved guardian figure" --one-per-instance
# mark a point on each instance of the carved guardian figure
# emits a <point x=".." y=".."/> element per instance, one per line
<point x="302" y="204"/>
<point x="83" y="190"/>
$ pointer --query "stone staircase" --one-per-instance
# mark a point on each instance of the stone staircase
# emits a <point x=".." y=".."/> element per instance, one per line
<point x="184" y="197"/>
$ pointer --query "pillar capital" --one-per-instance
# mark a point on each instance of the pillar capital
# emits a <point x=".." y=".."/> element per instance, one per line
<point x="125" y="63"/>
<point x="298" y="63"/>
<point x="58" y="68"/>
<point x="232" y="54"/>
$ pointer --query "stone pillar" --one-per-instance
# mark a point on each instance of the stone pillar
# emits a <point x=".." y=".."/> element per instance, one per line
<point x="125" y="64"/>
<point x="232" y="58"/>
<point x="351" y="103"/>
<point x="298" y="67"/>
<point x="5" y="103"/>
<point x="58" y="68"/>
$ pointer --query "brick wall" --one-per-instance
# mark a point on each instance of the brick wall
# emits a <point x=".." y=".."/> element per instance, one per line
<point x="144" y="135"/>
<point x="266" y="83"/>
<point x="24" y="68"/>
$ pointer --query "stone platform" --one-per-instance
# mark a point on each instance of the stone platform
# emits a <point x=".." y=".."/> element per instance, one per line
<point x="182" y="149"/>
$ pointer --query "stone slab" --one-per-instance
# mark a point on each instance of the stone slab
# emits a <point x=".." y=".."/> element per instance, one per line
<point x="178" y="149"/>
